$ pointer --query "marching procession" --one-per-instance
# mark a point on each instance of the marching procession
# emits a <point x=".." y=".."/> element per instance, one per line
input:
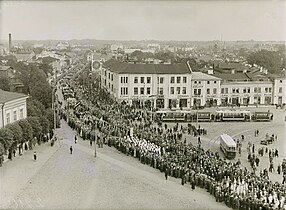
<point x="98" y="118"/>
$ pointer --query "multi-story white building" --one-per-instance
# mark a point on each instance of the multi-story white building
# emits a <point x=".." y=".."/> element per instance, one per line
<point x="279" y="96"/>
<point x="152" y="85"/>
<point x="177" y="86"/>
<point x="245" y="89"/>
<point x="13" y="107"/>
<point x="206" y="90"/>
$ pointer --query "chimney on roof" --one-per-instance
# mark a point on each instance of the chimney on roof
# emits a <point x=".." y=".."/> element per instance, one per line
<point x="10" y="42"/>
<point x="210" y="70"/>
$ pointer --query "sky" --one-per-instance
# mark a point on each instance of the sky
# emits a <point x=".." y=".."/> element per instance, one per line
<point x="204" y="20"/>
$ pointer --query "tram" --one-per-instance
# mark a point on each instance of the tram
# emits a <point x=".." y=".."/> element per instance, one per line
<point x="232" y="115"/>
<point x="221" y="115"/>
<point x="204" y="116"/>
<point x="228" y="146"/>
<point x="171" y="116"/>
<point x="262" y="116"/>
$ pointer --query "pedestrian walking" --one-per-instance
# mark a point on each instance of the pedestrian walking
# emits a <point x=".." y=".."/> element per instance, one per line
<point x="71" y="149"/>
<point x="279" y="169"/>
<point x="199" y="141"/>
<point x="284" y="178"/>
<point x="166" y="173"/>
<point x="14" y="152"/>
<point x="35" y="156"/>
<point x="75" y="139"/>
<point x="90" y="142"/>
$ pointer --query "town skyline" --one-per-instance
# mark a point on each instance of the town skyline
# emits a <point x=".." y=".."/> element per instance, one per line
<point x="144" y="20"/>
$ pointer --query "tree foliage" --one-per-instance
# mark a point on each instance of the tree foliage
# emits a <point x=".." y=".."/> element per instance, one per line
<point x="6" y="137"/>
<point x="35" y="108"/>
<point x="35" y="82"/>
<point x="4" y="83"/>
<point x="27" y="130"/>
<point x="271" y="60"/>
<point x="45" y="124"/>
<point x="17" y="132"/>
<point x="36" y="126"/>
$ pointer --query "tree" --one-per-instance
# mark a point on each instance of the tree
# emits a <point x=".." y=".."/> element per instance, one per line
<point x="45" y="124"/>
<point x="4" y="83"/>
<point x="35" y="108"/>
<point x="36" y="126"/>
<point x="270" y="60"/>
<point x="35" y="82"/>
<point x="27" y="130"/>
<point x="17" y="132"/>
<point x="46" y="68"/>
<point x="6" y="138"/>
<point x="165" y="56"/>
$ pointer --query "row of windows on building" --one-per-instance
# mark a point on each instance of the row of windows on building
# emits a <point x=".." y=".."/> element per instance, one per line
<point x="160" y="90"/>
<point x="247" y="90"/>
<point x="196" y="91"/>
<point x="160" y="80"/>
<point x="8" y="116"/>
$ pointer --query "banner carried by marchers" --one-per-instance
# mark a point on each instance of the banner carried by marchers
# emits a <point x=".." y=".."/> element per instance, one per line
<point x="131" y="132"/>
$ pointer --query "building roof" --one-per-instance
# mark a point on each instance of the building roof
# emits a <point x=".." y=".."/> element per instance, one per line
<point x="130" y="68"/>
<point x="232" y="77"/>
<point x="203" y="76"/>
<point x="4" y="68"/>
<point x="23" y="56"/>
<point x="6" y="96"/>
<point x="232" y="65"/>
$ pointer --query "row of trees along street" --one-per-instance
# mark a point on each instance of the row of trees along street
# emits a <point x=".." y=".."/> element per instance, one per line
<point x="40" y="121"/>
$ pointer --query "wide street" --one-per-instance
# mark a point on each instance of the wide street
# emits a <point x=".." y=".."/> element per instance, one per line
<point x="60" y="180"/>
<point x="112" y="180"/>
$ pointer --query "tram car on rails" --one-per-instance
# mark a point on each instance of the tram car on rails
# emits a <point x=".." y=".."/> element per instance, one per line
<point x="228" y="146"/>
<point x="221" y="115"/>
<point x="204" y="116"/>
<point x="232" y="115"/>
<point x="171" y="116"/>
<point x="262" y="116"/>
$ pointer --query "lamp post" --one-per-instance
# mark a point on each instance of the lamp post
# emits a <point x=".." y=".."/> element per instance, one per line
<point x="94" y="145"/>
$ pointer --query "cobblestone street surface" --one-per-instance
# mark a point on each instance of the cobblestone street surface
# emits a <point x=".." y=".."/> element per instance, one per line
<point x="60" y="180"/>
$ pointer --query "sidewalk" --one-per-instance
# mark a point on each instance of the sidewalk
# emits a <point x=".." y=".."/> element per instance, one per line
<point x="16" y="174"/>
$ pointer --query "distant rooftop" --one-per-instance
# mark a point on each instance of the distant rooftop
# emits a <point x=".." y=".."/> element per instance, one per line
<point x="203" y="76"/>
<point x="4" y="68"/>
<point x="130" y="68"/>
<point x="6" y="96"/>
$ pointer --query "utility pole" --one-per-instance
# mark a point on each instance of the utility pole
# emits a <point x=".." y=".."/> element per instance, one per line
<point x="54" y="85"/>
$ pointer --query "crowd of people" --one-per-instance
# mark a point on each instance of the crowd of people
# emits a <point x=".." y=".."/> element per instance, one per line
<point x="99" y="118"/>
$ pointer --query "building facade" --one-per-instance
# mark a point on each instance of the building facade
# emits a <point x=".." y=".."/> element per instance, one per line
<point x="150" y="85"/>
<point x="13" y="107"/>
<point x="279" y="97"/>
<point x="246" y="93"/>
<point x="177" y="86"/>
<point x="206" y="90"/>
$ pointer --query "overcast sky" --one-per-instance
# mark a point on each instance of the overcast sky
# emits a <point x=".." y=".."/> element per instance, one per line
<point x="138" y="20"/>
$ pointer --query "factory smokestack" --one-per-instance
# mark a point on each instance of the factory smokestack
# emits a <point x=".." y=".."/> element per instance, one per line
<point x="10" y="42"/>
